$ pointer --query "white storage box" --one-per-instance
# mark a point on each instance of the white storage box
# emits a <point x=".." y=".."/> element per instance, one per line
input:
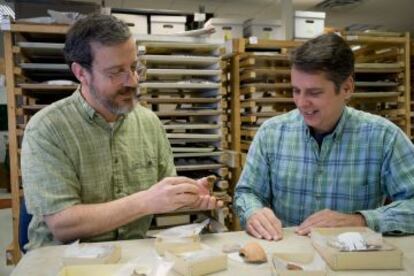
<point x="309" y="24"/>
<point x="137" y="23"/>
<point x="167" y="24"/>
<point x="227" y="28"/>
<point x="263" y="29"/>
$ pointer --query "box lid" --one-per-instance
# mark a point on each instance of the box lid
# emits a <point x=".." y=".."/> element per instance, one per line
<point x="262" y="22"/>
<point x="308" y="14"/>
<point x="168" y="19"/>
<point x="224" y="21"/>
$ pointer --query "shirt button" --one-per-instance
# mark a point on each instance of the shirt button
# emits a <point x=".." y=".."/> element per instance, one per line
<point x="116" y="160"/>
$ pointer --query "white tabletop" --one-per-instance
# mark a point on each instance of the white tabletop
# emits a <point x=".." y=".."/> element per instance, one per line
<point x="47" y="260"/>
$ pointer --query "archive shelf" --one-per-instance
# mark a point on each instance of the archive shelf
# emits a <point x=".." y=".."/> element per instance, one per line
<point x="33" y="55"/>
<point x="382" y="75"/>
<point x="259" y="82"/>
<point x="183" y="86"/>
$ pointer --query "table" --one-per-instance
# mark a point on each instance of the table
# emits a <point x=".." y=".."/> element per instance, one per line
<point x="46" y="261"/>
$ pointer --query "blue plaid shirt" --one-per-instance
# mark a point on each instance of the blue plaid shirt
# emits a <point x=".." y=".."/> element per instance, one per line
<point x="365" y="159"/>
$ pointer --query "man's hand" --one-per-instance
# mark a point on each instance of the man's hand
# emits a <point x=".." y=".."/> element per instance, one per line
<point x="263" y="224"/>
<point x="205" y="201"/>
<point x="329" y="218"/>
<point x="172" y="193"/>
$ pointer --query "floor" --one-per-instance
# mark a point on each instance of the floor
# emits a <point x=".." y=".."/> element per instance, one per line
<point x="5" y="236"/>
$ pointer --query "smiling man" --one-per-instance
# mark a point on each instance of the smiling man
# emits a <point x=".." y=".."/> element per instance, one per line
<point x="325" y="164"/>
<point x="97" y="165"/>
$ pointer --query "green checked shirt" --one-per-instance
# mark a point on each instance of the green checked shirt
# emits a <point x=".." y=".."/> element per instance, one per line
<point x="71" y="155"/>
<point x="365" y="159"/>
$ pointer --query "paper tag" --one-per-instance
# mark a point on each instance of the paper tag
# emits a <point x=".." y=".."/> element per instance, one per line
<point x="199" y="17"/>
<point x="5" y="23"/>
<point x="253" y="40"/>
<point x="142" y="49"/>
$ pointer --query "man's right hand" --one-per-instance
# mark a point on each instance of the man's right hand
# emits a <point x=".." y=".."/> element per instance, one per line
<point x="263" y="224"/>
<point x="170" y="194"/>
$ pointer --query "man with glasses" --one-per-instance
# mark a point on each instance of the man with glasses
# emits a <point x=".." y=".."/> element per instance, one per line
<point x="96" y="165"/>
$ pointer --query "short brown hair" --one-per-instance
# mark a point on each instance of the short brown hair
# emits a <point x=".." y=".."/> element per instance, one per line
<point x="328" y="53"/>
<point x="104" y="29"/>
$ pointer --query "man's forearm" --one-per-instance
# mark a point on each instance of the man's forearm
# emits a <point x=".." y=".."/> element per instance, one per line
<point x="86" y="220"/>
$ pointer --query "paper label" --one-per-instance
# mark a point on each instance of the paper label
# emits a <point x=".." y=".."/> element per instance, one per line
<point x="199" y="17"/>
<point x="5" y="23"/>
<point x="141" y="49"/>
<point x="253" y="40"/>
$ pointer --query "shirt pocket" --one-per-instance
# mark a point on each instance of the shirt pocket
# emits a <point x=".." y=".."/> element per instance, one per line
<point x="142" y="174"/>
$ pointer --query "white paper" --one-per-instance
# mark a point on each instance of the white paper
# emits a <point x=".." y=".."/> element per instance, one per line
<point x="184" y="231"/>
<point x="92" y="251"/>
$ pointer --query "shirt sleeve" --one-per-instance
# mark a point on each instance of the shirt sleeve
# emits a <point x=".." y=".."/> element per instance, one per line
<point x="49" y="178"/>
<point x="253" y="189"/>
<point x="166" y="164"/>
<point x="398" y="183"/>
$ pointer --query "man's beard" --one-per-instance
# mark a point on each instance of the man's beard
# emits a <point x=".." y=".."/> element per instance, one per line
<point x="111" y="105"/>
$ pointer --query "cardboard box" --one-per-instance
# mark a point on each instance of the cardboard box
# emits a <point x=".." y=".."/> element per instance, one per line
<point x="177" y="245"/>
<point x="113" y="256"/>
<point x="312" y="264"/>
<point x="308" y="24"/>
<point x="198" y="262"/>
<point x="263" y="29"/>
<point x="339" y="260"/>
<point x="226" y="28"/>
<point x="27" y="9"/>
<point x="167" y="24"/>
<point x="137" y="23"/>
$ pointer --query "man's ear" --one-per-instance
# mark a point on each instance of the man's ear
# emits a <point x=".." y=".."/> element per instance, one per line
<point x="348" y="87"/>
<point x="81" y="73"/>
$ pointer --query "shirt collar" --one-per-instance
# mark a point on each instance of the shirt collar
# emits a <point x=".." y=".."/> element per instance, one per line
<point x="337" y="133"/>
<point x="88" y="110"/>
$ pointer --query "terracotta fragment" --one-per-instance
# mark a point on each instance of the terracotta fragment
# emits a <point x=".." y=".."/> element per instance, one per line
<point x="253" y="252"/>
<point x="211" y="179"/>
<point x="291" y="266"/>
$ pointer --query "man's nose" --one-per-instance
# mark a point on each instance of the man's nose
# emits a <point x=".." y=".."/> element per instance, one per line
<point x="300" y="100"/>
<point x="131" y="79"/>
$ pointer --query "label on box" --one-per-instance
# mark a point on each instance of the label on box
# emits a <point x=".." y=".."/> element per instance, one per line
<point x="199" y="17"/>
<point x="253" y="40"/>
<point x="141" y="49"/>
<point x="5" y="23"/>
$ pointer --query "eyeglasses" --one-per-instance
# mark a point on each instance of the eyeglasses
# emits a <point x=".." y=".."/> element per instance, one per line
<point x="138" y="70"/>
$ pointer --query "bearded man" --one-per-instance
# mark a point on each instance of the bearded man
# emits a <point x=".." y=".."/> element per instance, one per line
<point x="97" y="165"/>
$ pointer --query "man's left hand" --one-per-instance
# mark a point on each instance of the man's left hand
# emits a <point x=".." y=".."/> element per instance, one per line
<point x="329" y="218"/>
<point x="206" y="201"/>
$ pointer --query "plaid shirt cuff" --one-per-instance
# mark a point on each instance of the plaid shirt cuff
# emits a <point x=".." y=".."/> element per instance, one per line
<point x="372" y="218"/>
